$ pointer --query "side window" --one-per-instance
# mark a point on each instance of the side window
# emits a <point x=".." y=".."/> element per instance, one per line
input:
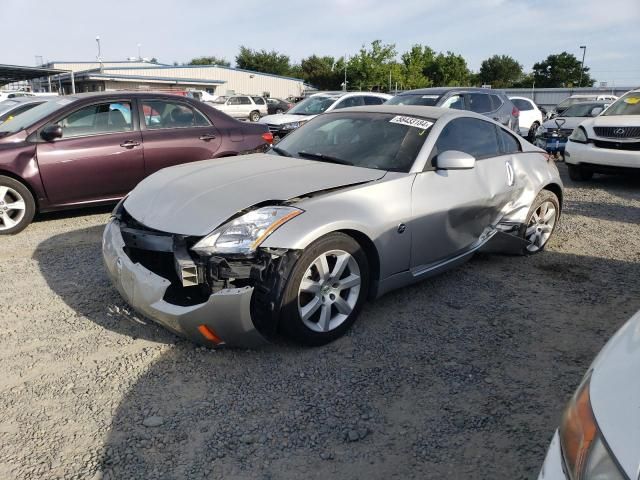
<point x="97" y="119"/>
<point x="244" y="101"/>
<point x="163" y="114"/>
<point x="355" y="101"/>
<point x="480" y="103"/>
<point x="469" y="135"/>
<point x="456" y="102"/>
<point x="233" y="101"/>
<point x="510" y="144"/>
<point x="258" y="100"/>
<point x="373" y="100"/>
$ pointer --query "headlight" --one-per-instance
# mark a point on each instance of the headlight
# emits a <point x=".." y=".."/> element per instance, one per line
<point x="292" y="125"/>
<point x="578" y="135"/>
<point x="583" y="447"/>
<point x="244" y="234"/>
<point x="118" y="208"/>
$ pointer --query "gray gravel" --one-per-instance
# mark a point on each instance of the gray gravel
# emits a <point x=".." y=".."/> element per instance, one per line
<point x="462" y="375"/>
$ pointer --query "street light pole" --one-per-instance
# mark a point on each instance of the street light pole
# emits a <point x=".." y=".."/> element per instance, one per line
<point x="584" y="52"/>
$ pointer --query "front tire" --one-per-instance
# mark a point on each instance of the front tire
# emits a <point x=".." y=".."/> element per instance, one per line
<point x="254" y="116"/>
<point x="579" y="174"/>
<point x="325" y="291"/>
<point x="541" y="221"/>
<point x="17" y="206"/>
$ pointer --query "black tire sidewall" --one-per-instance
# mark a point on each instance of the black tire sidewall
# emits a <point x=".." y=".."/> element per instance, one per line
<point x="291" y="325"/>
<point x="543" y="196"/>
<point x="30" y="204"/>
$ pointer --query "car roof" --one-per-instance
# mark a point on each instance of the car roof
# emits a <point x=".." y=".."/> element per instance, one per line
<point x="443" y="90"/>
<point x="433" y="113"/>
<point x="340" y="93"/>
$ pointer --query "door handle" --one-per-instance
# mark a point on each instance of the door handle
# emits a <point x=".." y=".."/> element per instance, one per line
<point x="208" y="137"/>
<point x="130" y="144"/>
<point x="511" y="174"/>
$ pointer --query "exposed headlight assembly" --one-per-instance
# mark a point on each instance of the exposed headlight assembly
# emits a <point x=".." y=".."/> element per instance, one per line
<point x="242" y="235"/>
<point x="579" y="135"/>
<point x="585" y="452"/>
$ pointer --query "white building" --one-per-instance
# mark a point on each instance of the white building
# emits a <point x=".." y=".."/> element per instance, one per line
<point x="136" y="75"/>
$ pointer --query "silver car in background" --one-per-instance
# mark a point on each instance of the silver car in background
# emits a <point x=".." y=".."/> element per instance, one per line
<point x="354" y="204"/>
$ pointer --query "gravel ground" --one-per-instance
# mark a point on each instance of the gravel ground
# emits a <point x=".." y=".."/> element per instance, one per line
<point x="465" y="374"/>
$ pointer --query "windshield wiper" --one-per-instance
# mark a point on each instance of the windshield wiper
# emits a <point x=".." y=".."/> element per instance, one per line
<point x="324" y="158"/>
<point x="281" y="151"/>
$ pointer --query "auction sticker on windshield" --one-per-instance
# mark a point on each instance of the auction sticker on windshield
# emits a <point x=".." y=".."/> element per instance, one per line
<point x="632" y="100"/>
<point x="411" y="122"/>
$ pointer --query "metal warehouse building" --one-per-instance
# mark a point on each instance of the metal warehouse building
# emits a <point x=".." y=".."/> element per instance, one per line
<point x="218" y="80"/>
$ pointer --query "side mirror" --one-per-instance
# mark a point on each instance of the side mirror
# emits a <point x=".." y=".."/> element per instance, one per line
<point x="454" y="160"/>
<point x="51" y="132"/>
<point x="596" y="111"/>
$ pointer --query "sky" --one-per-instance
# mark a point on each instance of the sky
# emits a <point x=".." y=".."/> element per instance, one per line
<point x="174" y="30"/>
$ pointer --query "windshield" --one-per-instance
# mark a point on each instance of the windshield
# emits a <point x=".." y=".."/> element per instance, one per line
<point x="567" y="102"/>
<point x="628" y="104"/>
<point x="313" y="105"/>
<point x="581" y="109"/>
<point x="7" y="104"/>
<point x="415" y="99"/>
<point x="30" y="117"/>
<point x="383" y="141"/>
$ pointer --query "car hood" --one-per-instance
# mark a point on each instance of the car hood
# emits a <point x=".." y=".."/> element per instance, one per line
<point x="195" y="198"/>
<point x="570" y="122"/>
<point x="615" y="394"/>
<point x="613" y="121"/>
<point x="282" y="118"/>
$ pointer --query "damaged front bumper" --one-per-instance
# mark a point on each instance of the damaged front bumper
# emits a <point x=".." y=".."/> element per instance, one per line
<point x="226" y="313"/>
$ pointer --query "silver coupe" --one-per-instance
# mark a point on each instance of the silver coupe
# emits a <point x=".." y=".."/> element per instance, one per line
<point x="354" y="204"/>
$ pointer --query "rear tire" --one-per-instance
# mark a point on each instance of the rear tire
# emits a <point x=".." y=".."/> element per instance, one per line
<point x="532" y="132"/>
<point x="17" y="206"/>
<point x="579" y="174"/>
<point x="254" y="116"/>
<point x="325" y="291"/>
<point x="541" y="221"/>
<point x="279" y="110"/>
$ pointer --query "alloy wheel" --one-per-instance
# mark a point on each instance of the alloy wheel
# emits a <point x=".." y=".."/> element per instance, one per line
<point x="329" y="291"/>
<point x="12" y="208"/>
<point x="541" y="226"/>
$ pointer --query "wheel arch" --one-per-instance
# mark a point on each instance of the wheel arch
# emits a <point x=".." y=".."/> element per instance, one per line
<point x="18" y="178"/>
<point x="373" y="256"/>
<point x="555" y="189"/>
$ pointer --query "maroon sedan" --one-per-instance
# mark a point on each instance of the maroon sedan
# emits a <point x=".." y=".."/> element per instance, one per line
<point x="91" y="149"/>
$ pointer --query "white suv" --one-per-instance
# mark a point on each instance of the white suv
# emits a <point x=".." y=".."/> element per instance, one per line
<point x="242" y="106"/>
<point x="282" y="123"/>
<point x="608" y="143"/>
<point x="530" y="116"/>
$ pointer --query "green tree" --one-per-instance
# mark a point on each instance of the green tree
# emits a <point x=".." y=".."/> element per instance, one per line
<point x="212" y="60"/>
<point x="500" y="71"/>
<point x="448" y="70"/>
<point x="263" y="61"/>
<point x="322" y="72"/>
<point x="525" y="81"/>
<point x="369" y="69"/>
<point x="561" y="70"/>
<point x="414" y="63"/>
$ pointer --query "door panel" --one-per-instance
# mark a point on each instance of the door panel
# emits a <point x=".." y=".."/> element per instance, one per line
<point x="100" y="154"/>
<point x="90" y="168"/>
<point x="452" y="208"/>
<point x="175" y="133"/>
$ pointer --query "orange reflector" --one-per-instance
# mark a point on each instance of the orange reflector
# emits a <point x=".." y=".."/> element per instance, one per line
<point x="209" y="334"/>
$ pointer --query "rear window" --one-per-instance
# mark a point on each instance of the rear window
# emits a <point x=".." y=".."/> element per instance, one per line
<point x="480" y="103"/>
<point x="428" y="100"/>
<point x="522" y="105"/>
